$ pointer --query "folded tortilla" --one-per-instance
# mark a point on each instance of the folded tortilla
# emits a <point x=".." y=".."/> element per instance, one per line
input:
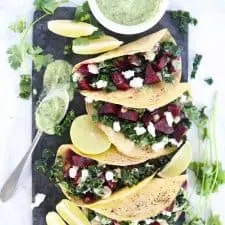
<point x="148" y="97"/>
<point x="116" y="195"/>
<point x="146" y="200"/>
<point x="128" y="147"/>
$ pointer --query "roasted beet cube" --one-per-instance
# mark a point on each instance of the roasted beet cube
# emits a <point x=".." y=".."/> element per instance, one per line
<point x="134" y="60"/>
<point x="119" y="81"/>
<point x="150" y="75"/>
<point x="84" y="85"/>
<point x="76" y="179"/>
<point x="88" y="198"/>
<point x="122" y="64"/>
<point x="171" y="68"/>
<point x="179" y="132"/>
<point x="146" y="118"/>
<point x="111" y="184"/>
<point x="155" y="223"/>
<point x="83" y="68"/>
<point x="82" y="162"/>
<point x="68" y="157"/>
<point x="163" y="126"/>
<point x="162" y="62"/>
<point x="170" y="208"/>
<point x="129" y="115"/>
<point x="174" y="109"/>
<point x="109" y="108"/>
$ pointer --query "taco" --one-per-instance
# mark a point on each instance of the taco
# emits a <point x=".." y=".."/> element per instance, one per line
<point x="144" y="133"/>
<point x="168" y="215"/>
<point x="156" y="198"/>
<point x="87" y="182"/>
<point x="138" y="74"/>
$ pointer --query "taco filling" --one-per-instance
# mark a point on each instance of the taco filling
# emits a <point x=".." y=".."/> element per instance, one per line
<point x="158" y="128"/>
<point x="161" y="63"/>
<point x="86" y="179"/>
<point x="168" y="216"/>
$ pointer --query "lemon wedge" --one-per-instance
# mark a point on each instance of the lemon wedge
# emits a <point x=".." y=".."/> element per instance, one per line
<point x="179" y="162"/>
<point x="95" y="46"/>
<point x="87" y="137"/>
<point x="70" y="28"/>
<point x="52" y="218"/>
<point x="71" y="213"/>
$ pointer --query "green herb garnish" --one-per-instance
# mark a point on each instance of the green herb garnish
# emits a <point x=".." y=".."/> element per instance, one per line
<point x="171" y="48"/>
<point x="25" y="86"/>
<point x="67" y="49"/>
<point x="209" y="81"/>
<point x="184" y="18"/>
<point x="19" y="26"/>
<point x="196" y="63"/>
<point x="214" y="220"/>
<point x="66" y="123"/>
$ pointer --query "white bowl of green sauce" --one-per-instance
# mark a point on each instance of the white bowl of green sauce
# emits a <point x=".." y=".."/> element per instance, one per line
<point x="128" y="16"/>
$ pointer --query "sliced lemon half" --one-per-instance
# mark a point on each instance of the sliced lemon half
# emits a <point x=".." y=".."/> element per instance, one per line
<point x="70" y="28"/>
<point x="52" y="218"/>
<point x="179" y="162"/>
<point x="95" y="46"/>
<point x="87" y="137"/>
<point x="71" y="213"/>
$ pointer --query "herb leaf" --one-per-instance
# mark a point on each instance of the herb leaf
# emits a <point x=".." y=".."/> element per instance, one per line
<point x="25" y="86"/>
<point x="214" y="220"/>
<point x="196" y="63"/>
<point x="19" y="26"/>
<point x="15" y="57"/>
<point x="48" y="6"/>
<point x="184" y="18"/>
<point x="209" y="81"/>
<point x="171" y="48"/>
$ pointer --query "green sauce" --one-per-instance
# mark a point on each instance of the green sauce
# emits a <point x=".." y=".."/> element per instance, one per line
<point x="58" y="75"/>
<point x="129" y="12"/>
<point x="49" y="113"/>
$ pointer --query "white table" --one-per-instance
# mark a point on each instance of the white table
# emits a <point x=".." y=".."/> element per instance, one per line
<point x="208" y="38"/>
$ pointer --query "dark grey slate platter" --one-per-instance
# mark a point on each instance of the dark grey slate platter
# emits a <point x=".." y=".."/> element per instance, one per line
<point x="54" y="45"/>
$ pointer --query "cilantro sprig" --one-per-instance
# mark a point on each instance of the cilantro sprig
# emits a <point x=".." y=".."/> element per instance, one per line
<point x="196" y="63"/>
<point x="25" y="86"/>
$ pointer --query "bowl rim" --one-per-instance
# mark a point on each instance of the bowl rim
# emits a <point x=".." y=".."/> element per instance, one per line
<point x="127" y="29"/>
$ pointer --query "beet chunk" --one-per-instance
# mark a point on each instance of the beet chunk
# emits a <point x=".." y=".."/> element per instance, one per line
<point x="119" y="81"/>
<point x="174" y="109"/>
<point x="82" y="162"/>
<point x="88" y="198"/>
<point x="134" y="60"/>
<point x="122" y="64"/>
<point x="162" y="62"/>
<point x="163" y="126"/>
<point x="155" y="223"/>
<point x="129" y="115"/>
<point x="171" y="68"/>
<point x="83" y="69"/>
<point x="111" y="185"/>
<point x="150" y="75"/>
<point x="146" y="118"/>
<point x="76" y="179"/>
<point x="84" y="85"/>
<point x="180" y="132"/>
<point x="109" y="108"/>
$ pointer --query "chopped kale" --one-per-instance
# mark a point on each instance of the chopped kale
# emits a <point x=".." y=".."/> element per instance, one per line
<point x="196" y="63"/>
<point x="184" y="18"/>
<point x="209" y="81"/>
<point x="171" y="48"/>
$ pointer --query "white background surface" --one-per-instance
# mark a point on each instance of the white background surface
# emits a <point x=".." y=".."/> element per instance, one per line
<point x="208" y="38"/>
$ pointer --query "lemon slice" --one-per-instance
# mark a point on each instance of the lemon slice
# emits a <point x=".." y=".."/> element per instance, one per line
<point x="179" y="162"/>
<point x="69" y="28"/>
<point x="102" y="44"/>
<point x="71" y="213"/>
<point x="52" y="218"/>
<point x="87" y="137"/>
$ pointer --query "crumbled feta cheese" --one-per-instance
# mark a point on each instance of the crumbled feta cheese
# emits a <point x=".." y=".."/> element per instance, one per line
<point x="169" y="118"/>
<point x="34" y="91"/>
<point x="128" y="74"/>
<point x="92" y="68"/>
<point x="162" y="222"/>
<point x="166" y="213"/>
<point x="76" y="76"/>
<point x="84" y="175"/>
<point x="183" y="99"/>
<point x="123" y="110"/>
<point x="116" y="126"/>
<point x="149" y="221"/>
<point x="173" y="141"/>
<point x="159" y="75"/>
<point x="151" y="109"/>
<point x="38" y="199"/>
<point x="160" y="145"/>
<point x="151" y="129"/>
<point x="89" y="99"/>
<point x="109" y="175"/>
<point x="97" y="218"/>
<point x="156" y="117"/>
<point x="150" y="55"/>
<point x="177" y="119"/>
<point x="101" y="84"/>
<point x="73" y="171"/>
<point x="136" y="82"/>
<point x="140" y="130"/>
<point x="107" y="192"/>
